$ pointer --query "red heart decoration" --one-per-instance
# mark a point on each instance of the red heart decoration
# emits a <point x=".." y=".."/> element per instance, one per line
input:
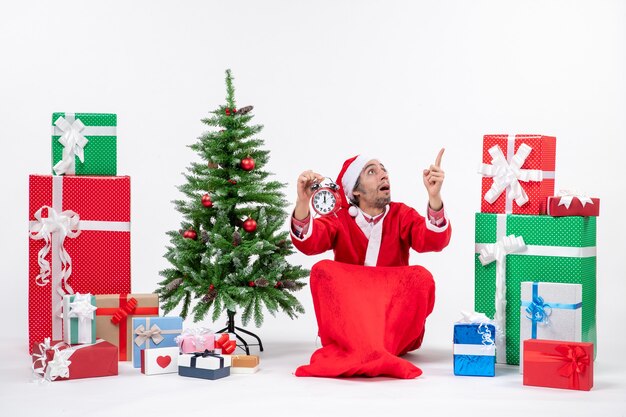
<point x="163" y="361"/>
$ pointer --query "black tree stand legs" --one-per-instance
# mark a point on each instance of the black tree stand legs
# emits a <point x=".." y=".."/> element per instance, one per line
<point x="231" y="328"/>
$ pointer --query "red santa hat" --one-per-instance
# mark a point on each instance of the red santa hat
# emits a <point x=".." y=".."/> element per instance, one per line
<point x="348" y="177"/>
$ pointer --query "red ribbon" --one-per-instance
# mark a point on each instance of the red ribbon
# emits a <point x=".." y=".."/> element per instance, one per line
<point x="123" y="312"/>
<point x="228" y="346"/>
<point x="128" y="307"/>
<point x="575" y="361"/>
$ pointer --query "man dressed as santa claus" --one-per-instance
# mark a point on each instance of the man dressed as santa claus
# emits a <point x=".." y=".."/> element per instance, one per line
<point x="370" y="305"/>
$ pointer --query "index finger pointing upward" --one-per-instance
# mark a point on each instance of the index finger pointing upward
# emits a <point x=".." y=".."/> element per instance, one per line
<point x="438" y="160"/>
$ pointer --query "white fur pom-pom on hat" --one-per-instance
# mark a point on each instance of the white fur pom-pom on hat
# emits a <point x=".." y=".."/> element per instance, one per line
<point x="353" y="211"/>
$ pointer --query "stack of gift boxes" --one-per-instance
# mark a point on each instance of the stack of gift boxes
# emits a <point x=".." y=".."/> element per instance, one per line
<point x="198" y="353"/>
<point x="535" y="264"/>
<point x="83" y="318"/>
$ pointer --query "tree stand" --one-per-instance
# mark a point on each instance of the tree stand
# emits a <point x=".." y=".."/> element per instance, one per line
<point x="231" y="328"/>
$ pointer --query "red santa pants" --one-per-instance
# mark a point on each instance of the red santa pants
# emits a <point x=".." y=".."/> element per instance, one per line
<point x="366" y="317"/>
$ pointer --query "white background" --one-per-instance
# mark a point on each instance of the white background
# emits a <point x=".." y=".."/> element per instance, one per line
<point x="328" y="79"/>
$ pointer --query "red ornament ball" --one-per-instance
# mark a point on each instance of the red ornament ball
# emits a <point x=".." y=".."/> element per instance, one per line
<point x="278" y="284"/>
<point x="211" y="286"/>
<point x="247" y="164"/>
<point x="251" y="284"/>
<point x="249" y="225"/>
<point x="206" y="201"/>
<point x="227" y="111"/>
<point x="190" y="234"/>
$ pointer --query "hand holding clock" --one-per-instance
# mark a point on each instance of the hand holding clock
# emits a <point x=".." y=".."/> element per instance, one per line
<point x="305" y="181"/>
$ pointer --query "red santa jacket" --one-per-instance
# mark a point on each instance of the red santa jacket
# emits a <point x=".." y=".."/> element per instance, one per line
<point x="401" y="228"/>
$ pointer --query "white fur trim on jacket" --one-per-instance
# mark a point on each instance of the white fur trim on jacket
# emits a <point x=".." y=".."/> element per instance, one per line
<point x="374" y="234"/>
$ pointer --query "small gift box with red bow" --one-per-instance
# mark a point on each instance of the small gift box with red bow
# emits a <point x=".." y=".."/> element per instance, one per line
<point x="225" y="343"/>
<point x="56" y="360"/>
<point x="205" y="365"/>
<point x="550" y="311"/>
<point x="196" y="339"/>
<point x="159" y="361"/>
<point x="154" y="332"/>
<point x="569" y="203"/>
<point x="518" y="173"/>
<point x="558" y="364"/>
<point x="115" y="314"/>
<point x="79" y="318"/>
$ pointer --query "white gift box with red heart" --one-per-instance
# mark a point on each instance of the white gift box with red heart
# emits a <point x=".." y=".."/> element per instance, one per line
<point x="159" y="361"/>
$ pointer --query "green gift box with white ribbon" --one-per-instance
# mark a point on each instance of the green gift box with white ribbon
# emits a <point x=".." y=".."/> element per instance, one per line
<point x="84" y="144"/>
<point x="513" y="248"/>
<point x="79" y="318"/>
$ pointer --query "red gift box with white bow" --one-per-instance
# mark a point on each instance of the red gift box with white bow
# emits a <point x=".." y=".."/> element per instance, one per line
<point x="568" y="203"/>
<point x="558" y="364"/>
<point x="56" y="360"/>
<point x="518" y="173"/>
<point x="79" y="242"/>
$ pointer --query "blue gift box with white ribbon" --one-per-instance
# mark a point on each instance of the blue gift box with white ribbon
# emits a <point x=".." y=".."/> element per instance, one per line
<point x="550" y="311"/>
<point x="474" y="349"/>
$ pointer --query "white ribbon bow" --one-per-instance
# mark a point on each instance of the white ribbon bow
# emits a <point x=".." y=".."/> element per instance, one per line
<point x="82" y="308"/>
<point x="199" y="335"/>
<point x="73" y="143"/>
<point x="473" y="317"/>
<point x="567" y="196"/>
<point x="66" y="224"/>
<point x="498" y="251"/>
<point x="144" y="335"/>
<point x="40" y="358"/>
<point x="509" y="174"/>
<point x="58" y="367"/>
<point x="481" y="319"/>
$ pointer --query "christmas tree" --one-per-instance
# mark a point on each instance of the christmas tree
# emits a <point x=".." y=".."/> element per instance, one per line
<point x="230" y="254"/>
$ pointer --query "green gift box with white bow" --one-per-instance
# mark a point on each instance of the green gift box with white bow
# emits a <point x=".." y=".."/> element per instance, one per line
<point x="513" y="248"/>
<point x="79" y="318"/>
<point x="84" y="144"/>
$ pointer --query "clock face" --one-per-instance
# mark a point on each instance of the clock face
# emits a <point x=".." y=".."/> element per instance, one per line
<point x="324" y="202"/>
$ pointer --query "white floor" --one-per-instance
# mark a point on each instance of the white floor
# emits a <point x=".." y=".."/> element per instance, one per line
<point x="274" y="390"/>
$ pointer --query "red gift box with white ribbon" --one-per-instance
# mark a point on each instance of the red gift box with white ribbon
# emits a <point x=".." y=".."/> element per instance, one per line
<point x="79" y="243"/>
<point x="572" y="203"/>
<point x="518" y="173"/>
<point x="57" y="360"/>
<point x="558" y="364"/>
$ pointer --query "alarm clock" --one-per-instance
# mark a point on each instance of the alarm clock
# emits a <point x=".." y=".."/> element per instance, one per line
<point x="325" y="199"/>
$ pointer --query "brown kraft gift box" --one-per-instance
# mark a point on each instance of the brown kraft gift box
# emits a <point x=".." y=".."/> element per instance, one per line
<point x="114" y="316"/>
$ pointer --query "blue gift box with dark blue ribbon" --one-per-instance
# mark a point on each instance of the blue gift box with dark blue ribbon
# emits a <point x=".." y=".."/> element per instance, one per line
<point x="474" y="349"/>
